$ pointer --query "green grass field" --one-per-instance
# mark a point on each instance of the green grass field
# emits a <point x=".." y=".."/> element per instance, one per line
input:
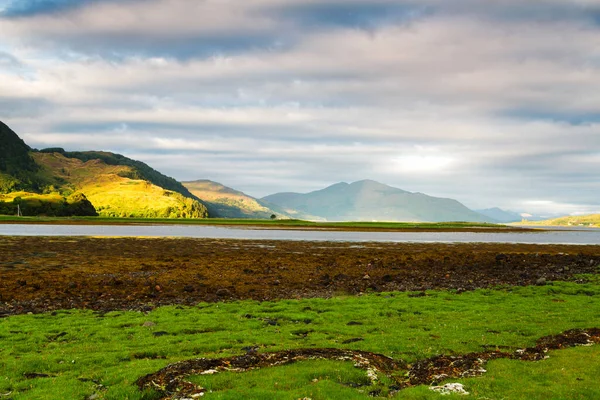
<point x="293" y="223"/>
<point x="86" y="353"/>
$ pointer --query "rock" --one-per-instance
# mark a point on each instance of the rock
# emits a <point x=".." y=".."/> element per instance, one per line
<point x="92" y="397"/>
<point x="223" y="292"/>
<point x="366" y="277"/>
<point x="450" y="388"/>
<point x="250" y="349"/>
<point x="540" y="282"/>
<point x="148" y="324"/>
<point x="160" y="333"/>
<point x="325" y="280"/>
<point x="188" y="288"/>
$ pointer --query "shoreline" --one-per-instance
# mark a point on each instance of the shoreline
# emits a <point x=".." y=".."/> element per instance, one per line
<point x="268" y="225"/>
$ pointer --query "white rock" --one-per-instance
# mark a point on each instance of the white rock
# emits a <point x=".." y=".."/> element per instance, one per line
<point x="450" y="388"/>
<point x="209" y="372"/>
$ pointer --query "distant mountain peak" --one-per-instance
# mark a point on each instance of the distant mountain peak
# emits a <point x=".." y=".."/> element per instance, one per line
<point x="368" y="200"/>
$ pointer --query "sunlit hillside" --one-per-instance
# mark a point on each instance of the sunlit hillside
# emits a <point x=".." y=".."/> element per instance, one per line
<point x="590" y="220"/>
<point x="115" y="195"/>
<point x="226" y="202"/>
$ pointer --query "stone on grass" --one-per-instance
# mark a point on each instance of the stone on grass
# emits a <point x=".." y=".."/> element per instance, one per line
<point x="449" y="388"/>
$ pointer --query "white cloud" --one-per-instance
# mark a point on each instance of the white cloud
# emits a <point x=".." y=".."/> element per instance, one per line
<point x="493" y="107"/>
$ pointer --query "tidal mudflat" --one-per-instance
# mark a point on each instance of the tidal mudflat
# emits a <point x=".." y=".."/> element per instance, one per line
<point x="43" y="274"/>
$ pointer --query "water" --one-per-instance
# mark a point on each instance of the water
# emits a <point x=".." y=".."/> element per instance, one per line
<point x="574" y="236"/>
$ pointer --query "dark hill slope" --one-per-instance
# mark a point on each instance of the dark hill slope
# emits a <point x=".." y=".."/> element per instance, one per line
<point x="17" y="167"/>
<point x="368" y="200"/>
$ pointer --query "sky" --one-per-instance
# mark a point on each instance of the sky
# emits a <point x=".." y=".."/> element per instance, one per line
<point x="493" y="103"/>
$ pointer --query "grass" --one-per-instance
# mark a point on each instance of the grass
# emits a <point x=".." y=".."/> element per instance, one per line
<point x="89" y="353"/>
<point x="292" y="223"/>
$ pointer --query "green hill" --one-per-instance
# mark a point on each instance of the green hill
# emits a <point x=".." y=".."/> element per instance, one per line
<point x="138" y="170"/>
<point x="368" y="200"/>
<point x="590" y="220"/>
<point x="17" y="167"/>
<point x="225" y="202"/>
<point x="116" y="185"/>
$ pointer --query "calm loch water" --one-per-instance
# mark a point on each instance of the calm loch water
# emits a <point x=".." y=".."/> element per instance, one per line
<point x="545" y="236"/>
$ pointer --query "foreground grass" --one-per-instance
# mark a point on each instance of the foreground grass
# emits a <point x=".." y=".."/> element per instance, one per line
<point x="86" y="353"/>
<point x="293" y="223"/>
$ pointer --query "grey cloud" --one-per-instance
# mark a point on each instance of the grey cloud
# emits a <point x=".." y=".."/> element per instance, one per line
<point x="8" y="60"/>
<point x="11" y="107"/>
<point x="491" y="104"/>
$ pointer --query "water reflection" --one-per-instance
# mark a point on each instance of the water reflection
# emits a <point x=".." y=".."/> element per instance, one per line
<point x="577" y="236"/>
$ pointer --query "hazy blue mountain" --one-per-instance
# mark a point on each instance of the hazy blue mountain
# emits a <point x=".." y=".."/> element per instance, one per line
<point x="501" y="215"/>
<point x="225" y="202"/>
<point x="368" y="200"/>
<point x="506" y="216"/>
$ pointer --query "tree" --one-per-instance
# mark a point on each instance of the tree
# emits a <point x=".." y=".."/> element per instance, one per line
<point x="273" y="216"/>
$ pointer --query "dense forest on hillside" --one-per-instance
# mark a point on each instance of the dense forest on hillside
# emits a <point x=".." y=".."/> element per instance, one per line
<point x="49" y="205"/>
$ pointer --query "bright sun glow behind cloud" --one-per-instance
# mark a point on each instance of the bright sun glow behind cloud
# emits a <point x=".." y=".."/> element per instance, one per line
<point x="422" y="161"/>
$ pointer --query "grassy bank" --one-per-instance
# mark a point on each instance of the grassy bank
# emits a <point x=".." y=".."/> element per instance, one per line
<point x="588" y="221"/>
<point x="263" y="223"/>
<point x="85" y="353"/>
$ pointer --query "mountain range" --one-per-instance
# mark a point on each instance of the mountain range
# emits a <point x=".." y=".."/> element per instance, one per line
<point x="57" y="182"/>
<point x="368" y="200"/>
<point x="225" y="202"/>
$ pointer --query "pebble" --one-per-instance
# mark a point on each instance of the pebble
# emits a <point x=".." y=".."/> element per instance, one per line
<point x="540" y="282"/>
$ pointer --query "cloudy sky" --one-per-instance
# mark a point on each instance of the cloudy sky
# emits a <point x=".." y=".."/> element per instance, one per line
<point x="494" y="103"/>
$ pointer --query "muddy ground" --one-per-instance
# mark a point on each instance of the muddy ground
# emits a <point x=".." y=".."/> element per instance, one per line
<point x="39" y="274"/>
